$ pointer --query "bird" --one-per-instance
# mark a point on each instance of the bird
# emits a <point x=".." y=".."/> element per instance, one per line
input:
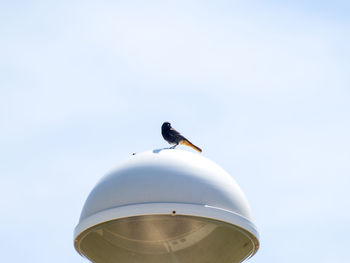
<point x="172" y="136"/>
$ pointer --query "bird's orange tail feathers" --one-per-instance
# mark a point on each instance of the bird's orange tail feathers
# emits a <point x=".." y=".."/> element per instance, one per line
<point x="188" y="143"/>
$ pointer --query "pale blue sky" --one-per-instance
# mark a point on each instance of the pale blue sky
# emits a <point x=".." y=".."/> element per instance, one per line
<point x="263" y="87"/>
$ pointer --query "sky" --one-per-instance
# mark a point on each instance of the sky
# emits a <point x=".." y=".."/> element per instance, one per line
<point x="263" y="87"/>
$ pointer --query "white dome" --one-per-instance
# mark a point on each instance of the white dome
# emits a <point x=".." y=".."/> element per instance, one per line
<point x="168" y="182"/>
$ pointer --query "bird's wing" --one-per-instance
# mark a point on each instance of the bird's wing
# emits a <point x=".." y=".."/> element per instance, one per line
<point x="176" y="135"/>
<point x="173" y="131"/>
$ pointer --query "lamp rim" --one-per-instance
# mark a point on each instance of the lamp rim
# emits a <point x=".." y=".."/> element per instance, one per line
<point x="183" y="209"/>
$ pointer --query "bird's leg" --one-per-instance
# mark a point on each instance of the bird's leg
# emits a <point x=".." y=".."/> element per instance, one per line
<point x="173" y="147"/>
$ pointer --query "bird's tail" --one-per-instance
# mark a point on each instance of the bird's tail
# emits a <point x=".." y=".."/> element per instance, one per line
<point x="188" y="143"/>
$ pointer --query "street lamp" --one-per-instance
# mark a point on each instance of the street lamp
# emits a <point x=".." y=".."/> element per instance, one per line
<point x="166" y="206"/>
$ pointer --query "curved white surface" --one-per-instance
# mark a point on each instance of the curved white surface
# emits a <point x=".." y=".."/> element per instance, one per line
<point x="163" y="181"/>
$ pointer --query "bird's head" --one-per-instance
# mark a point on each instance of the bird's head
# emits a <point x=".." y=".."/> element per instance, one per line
<point x="166" y="125"/>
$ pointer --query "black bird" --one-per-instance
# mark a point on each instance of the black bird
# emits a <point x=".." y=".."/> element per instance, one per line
<point x="172" y="136"/>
